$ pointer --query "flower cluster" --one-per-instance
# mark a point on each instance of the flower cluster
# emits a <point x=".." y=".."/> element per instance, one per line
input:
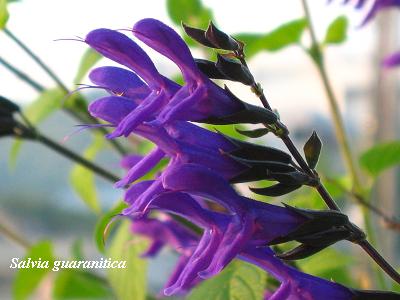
<point x="196" y="185"/>
<point x="392" y="60"/>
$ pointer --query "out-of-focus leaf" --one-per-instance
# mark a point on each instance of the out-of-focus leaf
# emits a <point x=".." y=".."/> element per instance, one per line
<point x="76" y="250"/>
<point x="285" y="35"/>
<point x="77" y="284"/>
<point x="89" y="59"/>
<point x="4" y="15"/>
<point x="337" y="31"/>
<point x="82" y="179"/>
<point x="312" y="150"/>
<point x="229" y="130"/>
<point x="103" y="222"/>
<point x="380" y="157"/>
<point x="129" y="283"/>
<point x="46" y="104"/>
<point x="191" y="12"/>
<point x="27" y="280"/>
<point x="239" y="280"/>
<point x="330" y="264"/>
<point x="15" y="148"/>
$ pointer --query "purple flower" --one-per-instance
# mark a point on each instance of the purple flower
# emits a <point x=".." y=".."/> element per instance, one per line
<point x="224" y="235"/>
<point x="164" y="232"/>
<point x="199" y="98"/>
<point x="158" y="99"/>
<point x="378" y="5"/>
<point x="201" y="167"/>
<point x="392" y="60"/>
<point x="294" y="284"/>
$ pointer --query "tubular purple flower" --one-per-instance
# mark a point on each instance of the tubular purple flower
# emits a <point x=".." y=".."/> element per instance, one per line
<point x="119" y="48"/>
<point x="224" y="235"/>
<point x="167" y="232"/>
<point x="204" y="99"/>
<point x="294" y="284"/>
<point x="120" y="82"/>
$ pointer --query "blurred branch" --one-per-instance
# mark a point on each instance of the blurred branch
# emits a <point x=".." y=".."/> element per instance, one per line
<point x="23" y="76"/>
<point x="13" y="236"/>
<point x="36" y="59"/>
<point x="37" y="136"/>
<point x="88" y="118"/>
<point x="318" y="58"/>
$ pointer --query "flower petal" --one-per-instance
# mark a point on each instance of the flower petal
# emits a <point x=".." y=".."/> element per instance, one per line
<point x="135" y="190"/>
<point x="112" y="109"/>
<point x="144" y="112"/>
<point x="199" y="180"/>
<point x="141" y="168"/>
<point x="120" y="81"/>
<point x="121" y="49"/>
<point x="392" y="60"/>
<point x="166" y="41"/>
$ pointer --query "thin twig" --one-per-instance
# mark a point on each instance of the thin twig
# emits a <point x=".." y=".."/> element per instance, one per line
<point x="57" y="80"/>
<point x="75" y="157"/>
<point x="23" y="76"/>
<point x="14" y="236"/>
<point x="36" y="58"/>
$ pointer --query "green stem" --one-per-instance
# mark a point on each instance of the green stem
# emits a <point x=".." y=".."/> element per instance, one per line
<point x="318" y="57"/>
<point x="13" y="236"/>
<point x="23" y="76"/>
<point x="88" y="118"/>
<point x="343" y="141"/>
<point x="28" y="51"/>
<point x="75" y="157"/>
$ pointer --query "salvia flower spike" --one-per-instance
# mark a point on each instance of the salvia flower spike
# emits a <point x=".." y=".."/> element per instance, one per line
<point x="196" y="182"/>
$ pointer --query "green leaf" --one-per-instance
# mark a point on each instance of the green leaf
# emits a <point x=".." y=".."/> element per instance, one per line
<point x="285" y="35"/>
<point x="337" y="31"/>
<point x="82" y="179"/>
<point x="330" y="264"/>
<point x="27" y="280"/>
<point x="88" y="60"/>
<point x="191" y="12"/>
<point x="104" y="223"/>
<point x="4" y="15"/>
<point x="312" y="150"/>
<point x="229" y="130"/>
<point x="46" y="104"/>
<point x="255" y="133"/>
<point x="76" y="284"/>
<point x="14" y="151"/>
<point x="129" y="283"/>
<point x="380" y="157"/>
<point x="239" y="280"/>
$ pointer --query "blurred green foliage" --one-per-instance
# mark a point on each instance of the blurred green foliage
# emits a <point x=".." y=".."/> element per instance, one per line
<point x="82" y="179"/>
<point x="239" y="280"/>
<point x="380" y="157"/>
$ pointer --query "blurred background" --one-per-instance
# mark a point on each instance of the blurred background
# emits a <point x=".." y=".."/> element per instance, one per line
<point x="35" y="195"/>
